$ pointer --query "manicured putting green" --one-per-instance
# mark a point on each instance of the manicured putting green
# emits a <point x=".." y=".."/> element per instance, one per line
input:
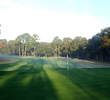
<point x="53" y="79"/>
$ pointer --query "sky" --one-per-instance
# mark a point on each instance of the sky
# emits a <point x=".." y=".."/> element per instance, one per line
<point x="50" y="18"/>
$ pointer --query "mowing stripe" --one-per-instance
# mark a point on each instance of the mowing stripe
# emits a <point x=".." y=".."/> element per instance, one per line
<point x="13" y="68"/>
<point x="4" y="79"/>
<point x="62" y="84"/>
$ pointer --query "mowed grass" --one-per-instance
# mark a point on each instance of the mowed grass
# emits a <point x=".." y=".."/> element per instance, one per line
<point x="53" y="79"/>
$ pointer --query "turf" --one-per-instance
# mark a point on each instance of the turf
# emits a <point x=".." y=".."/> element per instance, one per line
<point x="53" y="79"/>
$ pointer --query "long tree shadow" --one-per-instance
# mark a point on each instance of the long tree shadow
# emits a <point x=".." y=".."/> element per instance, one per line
<point x="27" y="84"/>
<point x="7" y="65"/>
<point x="94" y="82"/>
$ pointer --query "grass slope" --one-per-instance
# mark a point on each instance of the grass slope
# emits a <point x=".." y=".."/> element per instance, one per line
<point x="53" y="79"/>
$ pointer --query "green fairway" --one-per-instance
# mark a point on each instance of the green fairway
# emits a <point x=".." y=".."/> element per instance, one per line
<point x="53" y="79"/>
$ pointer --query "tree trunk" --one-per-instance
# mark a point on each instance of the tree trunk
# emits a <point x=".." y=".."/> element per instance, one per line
<point x="19" y="51"/>
<point x="34" y="51"/>
<point x="25" y="49"/>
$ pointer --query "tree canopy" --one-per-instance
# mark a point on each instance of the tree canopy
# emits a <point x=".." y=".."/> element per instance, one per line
<point x="97" y="48"/>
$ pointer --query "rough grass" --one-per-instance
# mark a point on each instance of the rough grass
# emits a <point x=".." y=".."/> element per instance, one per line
<point x="53" y="79"/>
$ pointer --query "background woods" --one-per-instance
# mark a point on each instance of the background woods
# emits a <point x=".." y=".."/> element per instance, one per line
<point x="97" y="48"/>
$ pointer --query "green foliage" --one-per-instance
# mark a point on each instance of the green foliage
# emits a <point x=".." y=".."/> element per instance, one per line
<point x="3" y="46"/>
<point x="44" y="49"/>
<point x="56" y="46"/>
<point x="27" y="44"/>
<point x="97" y="48"/>
<point x="66" y="47"/>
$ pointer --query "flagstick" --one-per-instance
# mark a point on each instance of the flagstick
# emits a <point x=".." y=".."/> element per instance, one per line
<point x="67" y="62"/>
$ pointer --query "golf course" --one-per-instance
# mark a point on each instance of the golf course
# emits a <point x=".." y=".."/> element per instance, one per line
<point x="53" y="79"/>
<point x="54" y="49"/>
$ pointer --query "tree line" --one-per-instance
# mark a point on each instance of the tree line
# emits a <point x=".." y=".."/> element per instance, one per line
<point x="96" y="48"/>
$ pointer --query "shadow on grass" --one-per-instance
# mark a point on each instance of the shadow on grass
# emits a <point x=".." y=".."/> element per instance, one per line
<point x="27" y="85"/>
<point x="7" y="65"/>
<point x="94" y="82"/>
<point x="43" y="79"/>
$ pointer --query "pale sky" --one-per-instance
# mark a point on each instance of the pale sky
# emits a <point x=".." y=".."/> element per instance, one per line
<point x="50" y="18"/>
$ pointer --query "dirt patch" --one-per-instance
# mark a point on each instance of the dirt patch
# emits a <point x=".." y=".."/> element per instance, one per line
<point x="7" y="61"/>
<point x="27" y="56"/>
<point x="85" y="61"/>
<point x="91" y="64"/>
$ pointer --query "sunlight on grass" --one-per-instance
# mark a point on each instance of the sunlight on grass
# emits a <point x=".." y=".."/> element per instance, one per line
<point x="65" y="89"/>
<point x="86" y="78"/>
<point x="49" y="79"/>
<point x="26" y="80"/>
<point x="5" y="78"/>
<point x="13" y="68"/>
